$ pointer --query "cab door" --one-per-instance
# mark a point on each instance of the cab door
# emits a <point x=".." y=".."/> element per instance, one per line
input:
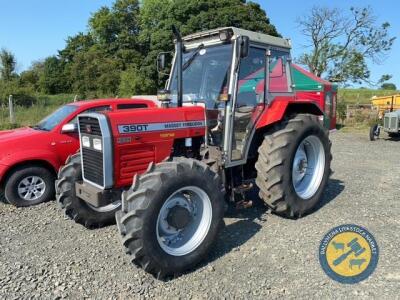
<point x="249" y="102"/>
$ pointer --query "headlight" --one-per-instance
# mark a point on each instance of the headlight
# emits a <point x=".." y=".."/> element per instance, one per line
<point x="97" y="144"/>
<point x="86" y="142"/>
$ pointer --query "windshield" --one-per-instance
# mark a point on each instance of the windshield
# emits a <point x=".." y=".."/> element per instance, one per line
<point x="55" y="118"/>
<point x="205" y="75"/>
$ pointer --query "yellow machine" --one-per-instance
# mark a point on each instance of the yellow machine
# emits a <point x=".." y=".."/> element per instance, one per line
<point x="385" y="103"/>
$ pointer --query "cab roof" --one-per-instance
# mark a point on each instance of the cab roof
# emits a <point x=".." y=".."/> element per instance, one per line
<point x="107" y="101"/>
<point x="213" y="36"/>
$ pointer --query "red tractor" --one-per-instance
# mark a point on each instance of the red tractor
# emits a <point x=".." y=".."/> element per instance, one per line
<point x="228" y="115"/>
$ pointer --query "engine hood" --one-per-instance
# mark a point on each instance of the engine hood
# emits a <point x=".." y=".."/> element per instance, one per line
<point x="157" y="120"/>
<point x="17" y="139"/>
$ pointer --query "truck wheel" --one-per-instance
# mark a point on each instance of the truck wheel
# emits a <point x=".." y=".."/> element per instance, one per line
<point x="374" y="132"/>
<point x="171" y="215"/>
<point x="74" y="207"/>
<point x="293" y="166"/>
<point x="29" y="185"/>
<point x="2" y="197"/>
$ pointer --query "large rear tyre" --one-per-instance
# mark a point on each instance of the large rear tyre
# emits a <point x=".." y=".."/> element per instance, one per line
<point x="74" y="207"/>
<point x="293" y="166"/>
<point x="171" y="215"/>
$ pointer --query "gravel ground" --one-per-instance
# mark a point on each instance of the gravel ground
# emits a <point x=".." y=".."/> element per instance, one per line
<point x="44" y="256"/>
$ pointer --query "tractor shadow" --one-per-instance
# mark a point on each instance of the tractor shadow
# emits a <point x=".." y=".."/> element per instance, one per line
<point x="333" y="189"/>
<point x="393" y="139"/>
<point x="247" y="222"/>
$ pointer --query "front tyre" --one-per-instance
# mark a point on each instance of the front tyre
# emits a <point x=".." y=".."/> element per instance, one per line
<point x="74" y="207"/>
<point x="374" y="132"/>
<point x="171" y="216"/>
<point x="293" y="166"/>
<point x="29" y="185"/>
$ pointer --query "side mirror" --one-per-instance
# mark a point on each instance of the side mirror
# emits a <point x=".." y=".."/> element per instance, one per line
<point x="244" y="46"/>
<point x="69" y="128"/>
<point x="161" y="62"/>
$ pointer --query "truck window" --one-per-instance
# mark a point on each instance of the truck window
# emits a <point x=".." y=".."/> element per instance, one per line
<point x="131" y="105"/>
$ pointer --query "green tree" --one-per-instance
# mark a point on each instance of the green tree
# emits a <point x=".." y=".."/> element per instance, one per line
<point x="157" y="17"/>
<point x="134" y="83"/>
<point x="117" y="55"/>
<point x="343" y="44"/>
<point x="389" y="86"/>
<point x="7" y="65"/>
<point x="93" y="74"/>
<point x="51" y="79"/>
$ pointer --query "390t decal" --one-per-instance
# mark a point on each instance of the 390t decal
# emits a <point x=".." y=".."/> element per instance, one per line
<point x="134" y="128"/>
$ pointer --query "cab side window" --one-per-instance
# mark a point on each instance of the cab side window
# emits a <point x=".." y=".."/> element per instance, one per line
<point x="251" y="79"/>
<point x="279" y="72"/>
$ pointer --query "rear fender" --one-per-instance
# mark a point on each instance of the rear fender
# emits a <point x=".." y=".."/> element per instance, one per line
<point x="281" y="108"/>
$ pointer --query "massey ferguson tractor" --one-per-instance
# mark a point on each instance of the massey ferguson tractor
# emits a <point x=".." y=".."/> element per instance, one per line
<point x="228" y="115"/>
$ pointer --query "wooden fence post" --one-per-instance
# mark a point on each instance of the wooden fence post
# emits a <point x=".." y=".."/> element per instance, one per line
<point x="11" y="108"/>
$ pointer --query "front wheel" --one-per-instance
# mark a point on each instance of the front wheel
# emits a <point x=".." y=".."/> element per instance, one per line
<point x="171" y="216"/>
<point x="29" y="185"/>
<point x="74" y="207"/>
<point x="374" y="132"/>
<point x="293" y="166"/>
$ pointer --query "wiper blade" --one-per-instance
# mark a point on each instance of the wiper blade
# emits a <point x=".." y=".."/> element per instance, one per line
<point x="37" y="127"/>
<point x="190" y="60"/>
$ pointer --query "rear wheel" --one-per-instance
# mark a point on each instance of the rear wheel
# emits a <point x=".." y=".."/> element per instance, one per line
<point x="29" y="185"/>
<point x="171" y="216"/>
<point x="75" y="208"/>
<point x="374" y="132"/>
<point x="294" y="166"/>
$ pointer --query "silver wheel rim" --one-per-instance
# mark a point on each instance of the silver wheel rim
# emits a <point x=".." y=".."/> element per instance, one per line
<point x="31" y="188"/>
<point x="308" y="167"/>
<point x="179" y="242"/>
<point x="106" y="208"/>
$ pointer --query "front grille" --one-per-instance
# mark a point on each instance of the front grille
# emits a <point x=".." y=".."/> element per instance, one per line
<point x="393" y="123"/>
<point x="386" y="122"/>
<point x="89" y="125"/>
<point x="92" y="159"/>
<point x="93" y="166"/>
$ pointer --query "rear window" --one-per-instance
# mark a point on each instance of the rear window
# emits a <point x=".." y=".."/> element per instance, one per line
<point x="131" y="105"/>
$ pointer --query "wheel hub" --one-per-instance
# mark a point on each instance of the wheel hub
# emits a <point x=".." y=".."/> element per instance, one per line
<point x="179" y="217"/>
<point x="31" y="188"/>
<point x="308" y="167"/>
<point x="184" y="220"/>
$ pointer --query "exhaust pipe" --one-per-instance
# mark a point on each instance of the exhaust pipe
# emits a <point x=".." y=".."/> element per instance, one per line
<point x="179" y="54"/>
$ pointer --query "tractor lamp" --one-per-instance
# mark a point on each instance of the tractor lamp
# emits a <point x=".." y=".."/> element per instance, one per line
<point x="86" y="141"/>
<point x="97" y="144"/>
<point x="164" y="96"/>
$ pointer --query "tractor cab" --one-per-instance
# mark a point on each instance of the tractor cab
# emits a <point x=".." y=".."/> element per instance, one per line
<point x="225" y="71"/>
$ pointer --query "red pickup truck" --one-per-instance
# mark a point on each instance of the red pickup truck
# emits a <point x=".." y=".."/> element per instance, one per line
<point x="30" y="157"/>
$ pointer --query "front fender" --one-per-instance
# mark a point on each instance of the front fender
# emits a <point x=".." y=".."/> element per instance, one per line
<point x="12" y="159"/>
